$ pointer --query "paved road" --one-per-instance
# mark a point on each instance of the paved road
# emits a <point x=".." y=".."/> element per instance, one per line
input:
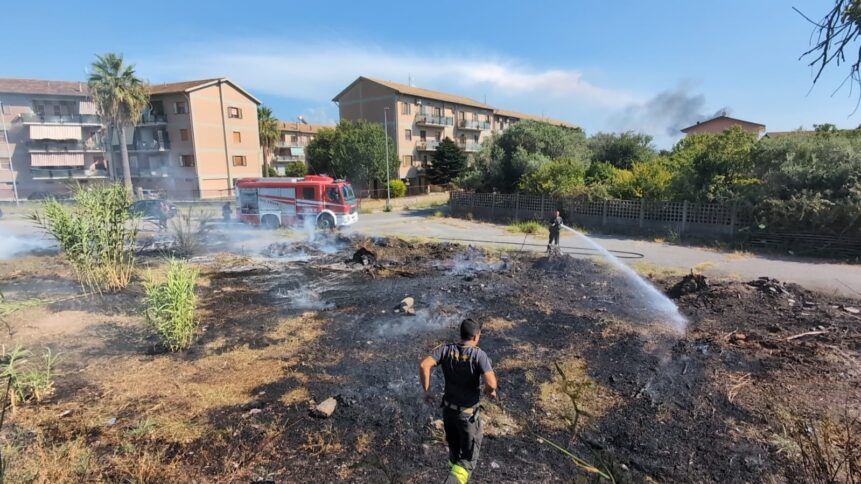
<point x="843" y="279"/>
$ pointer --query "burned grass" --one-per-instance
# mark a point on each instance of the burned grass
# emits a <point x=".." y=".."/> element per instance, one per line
<point x="569" y="340"/>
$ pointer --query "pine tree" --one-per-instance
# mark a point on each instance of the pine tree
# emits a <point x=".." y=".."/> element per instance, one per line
<point x="449" y="162"/>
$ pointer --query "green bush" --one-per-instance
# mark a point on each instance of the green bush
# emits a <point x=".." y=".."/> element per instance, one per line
<point x="96" y="235"/>
<point x="27" y="380"/>
<point x="533" y="227"/>
<point x="296" y="169"/>
<point x="398" y="188"/>
<point x="170" y="305"/>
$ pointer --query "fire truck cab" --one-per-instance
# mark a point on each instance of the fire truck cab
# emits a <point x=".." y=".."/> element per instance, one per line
<point x="273" y="202"/>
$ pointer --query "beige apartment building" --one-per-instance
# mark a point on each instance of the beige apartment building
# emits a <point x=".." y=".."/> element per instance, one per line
<point x="418" y="119"/>
<point x="192" y="141"/>
<point x="295" y="136"/>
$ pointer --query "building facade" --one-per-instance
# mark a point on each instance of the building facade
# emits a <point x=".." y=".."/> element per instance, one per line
<point x="192" y="141"/>
<point x="721" y="123"/>
<point x="295" y="136"/>
<point x="418" y="119"/>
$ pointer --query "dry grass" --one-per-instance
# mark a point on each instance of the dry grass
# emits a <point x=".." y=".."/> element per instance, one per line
<point x="571" y="398"/>
<point x="736" y="384"/>
<point x="653" y="270"/>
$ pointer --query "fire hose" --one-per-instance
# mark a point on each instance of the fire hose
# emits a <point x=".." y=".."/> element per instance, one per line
<point x="621" y="254"/>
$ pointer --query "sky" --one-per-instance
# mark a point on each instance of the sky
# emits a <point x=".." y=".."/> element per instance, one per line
<point x="653" y="66"/>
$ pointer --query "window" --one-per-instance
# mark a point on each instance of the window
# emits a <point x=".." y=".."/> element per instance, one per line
<point x="423" y="135"/>
<point x="4" y="164"/>
<point x="183" y="134"/>
<point x="408" y="160"/>
<point x="186" y="160"/>
<point x="57" y="111"/>
<point x="294" y="139"/>
<point x="239" y="160"/>
<point x="39" y="109"/>
<point x="405" y="108"/>
<point x="308" y="193"/>
<point x="437" y="112"/>
<point x="475" y="138"/>
<point x="439" y="136"/>
<point x="333" y="195"/>
<point x="157" y="108"/>
<point x="408" y="134"/>
<point x="475" y="116"/>
<point x="180" y="107"/>
<point x="463" y="115"/>
<point x="234" y="112"/>
<point x="237" y="137"/>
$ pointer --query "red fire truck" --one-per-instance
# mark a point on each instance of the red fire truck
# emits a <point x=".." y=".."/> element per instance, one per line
<point x="273" y="202"/>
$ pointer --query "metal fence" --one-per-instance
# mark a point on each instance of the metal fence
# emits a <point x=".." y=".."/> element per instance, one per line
<point x="412" y="191"/>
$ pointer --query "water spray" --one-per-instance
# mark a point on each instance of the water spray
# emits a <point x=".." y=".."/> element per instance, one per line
<point x="662" y="306"/>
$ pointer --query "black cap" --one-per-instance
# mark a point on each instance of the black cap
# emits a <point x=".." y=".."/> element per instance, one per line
<point x="469" y="328"/>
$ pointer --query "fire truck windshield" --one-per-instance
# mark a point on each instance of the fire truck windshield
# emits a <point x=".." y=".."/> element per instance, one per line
<point x="348" y="193"/>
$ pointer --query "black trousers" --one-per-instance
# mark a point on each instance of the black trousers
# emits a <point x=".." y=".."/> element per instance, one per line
<point x="554" y="237"/>
<point x="463" y="435"/>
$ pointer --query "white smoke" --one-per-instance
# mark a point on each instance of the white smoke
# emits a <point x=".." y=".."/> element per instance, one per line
<point x="16" y="245"/>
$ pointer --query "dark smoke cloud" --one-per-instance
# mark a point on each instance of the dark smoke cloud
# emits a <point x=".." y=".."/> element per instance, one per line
<point x="666" y="113"/>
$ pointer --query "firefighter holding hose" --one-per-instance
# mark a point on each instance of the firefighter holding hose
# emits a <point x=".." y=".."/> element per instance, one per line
<point x="555" y="227"/>
<point x="463" y="365"/>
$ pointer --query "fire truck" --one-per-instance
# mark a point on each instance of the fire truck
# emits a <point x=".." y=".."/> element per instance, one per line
<point x="273" y="202"/>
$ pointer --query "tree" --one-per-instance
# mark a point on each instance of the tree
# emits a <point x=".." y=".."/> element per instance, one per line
<point x="295" y="169"/>
<point x="714" y="167"/>
<point x="449" y="162"/>
<point x="621" y="150"/>
<point x="355" y="150"/>
<point x="833" y="35"/>
<point x="120" y="97"/>
<point x="269" y="131"/>
<point x="565" y="176"/>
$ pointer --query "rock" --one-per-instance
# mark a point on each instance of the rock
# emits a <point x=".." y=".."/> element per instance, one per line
<point x="253" y="411"/>
<point x="407" y="305"/>
<point x="65" y="413"/>
<point x="437" y="424"/>
<point x="111" y="421"/>
<point x="494" y="465"/>
<point x="326" y="408"/>
<point x="851" y="310"/>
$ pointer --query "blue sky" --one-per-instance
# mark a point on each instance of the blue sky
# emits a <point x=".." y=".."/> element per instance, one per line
<point x="607" y="66"/>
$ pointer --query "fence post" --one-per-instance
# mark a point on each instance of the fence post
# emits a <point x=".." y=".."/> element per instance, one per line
<point x="733" y="219"/>
<point x="517" y="207"/>
<point x="493" y="205"/>
<point x="604" y="213"/>
<point x="684" y="218"/>
<point x="642" y="211"/>
<point x="542" y="209"/>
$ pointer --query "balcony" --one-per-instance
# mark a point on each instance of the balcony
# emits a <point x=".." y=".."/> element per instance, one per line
<point x="146" y="146"/>
<point x="288" y="158"/>
<point x="82" y="119"/>
<point x="473" y="125"/>
<point x="427" y="145"/>
<point x="36" y="146"/>
<point x="66" y="173"/>
<point x="470" y="147"/>
<point x="430" y="120"/>
<point x="152" y="120"/>
<point x="291" y="144"/>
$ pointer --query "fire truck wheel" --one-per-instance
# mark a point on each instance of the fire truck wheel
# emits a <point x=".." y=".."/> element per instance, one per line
<point x="270" y="222"/>
<point x="326" y="222"/>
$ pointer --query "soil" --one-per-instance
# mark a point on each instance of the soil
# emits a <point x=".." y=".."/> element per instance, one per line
<point x="571" y="341"/>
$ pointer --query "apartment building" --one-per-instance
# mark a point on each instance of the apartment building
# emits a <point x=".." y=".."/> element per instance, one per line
<point x="295" y="136"/>
<point x="418" y="119"/>
<point x="192" y="141"/>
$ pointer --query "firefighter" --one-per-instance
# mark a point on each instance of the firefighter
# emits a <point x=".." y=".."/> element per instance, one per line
<point x="225" y="212"/>
<point x="462" y="365"/>
<point x="555" y="227"/>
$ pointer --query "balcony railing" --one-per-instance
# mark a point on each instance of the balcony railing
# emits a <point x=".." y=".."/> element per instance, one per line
<point x="473" y="125"/>
<point x="288" y="158"/>
<point x="427" y="145"/>
<point x="291" y="144"/>
<point x="469" y="147"/>
<point x="33" y="118"/>
<point x="36" y="146"/>
<point x="152" y="119"/>
<point x="153" y="145"/>
<point x="137" y="172"/>
<point x="66" y="173"/>
<point x="430" y="120"/>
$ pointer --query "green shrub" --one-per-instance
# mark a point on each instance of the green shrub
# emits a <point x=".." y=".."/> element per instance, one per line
<point x="398" y="188"/>
<point x="295" y="169"/>
<point x="27" y="380"/>
<point x="533" y="227"/>
<point x="96" y="235"/>
<point x="170" y="305"/>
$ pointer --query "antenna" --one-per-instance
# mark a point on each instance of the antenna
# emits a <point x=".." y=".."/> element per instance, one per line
<point x="409" y="79"/>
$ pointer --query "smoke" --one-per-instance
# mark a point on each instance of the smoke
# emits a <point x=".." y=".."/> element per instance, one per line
<point x="665" y="114"/>
<point x="437" y="317"/>
<point x="15" y="245"/>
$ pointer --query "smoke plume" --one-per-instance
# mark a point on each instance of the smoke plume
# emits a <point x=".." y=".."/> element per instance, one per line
<point x="666" y="113"/>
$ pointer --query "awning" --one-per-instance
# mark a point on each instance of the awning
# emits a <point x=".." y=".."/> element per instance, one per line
<point x="87" y="107"/>
<point x="297" y="151"/>
<point x="55" y="132"/>
<point x="56" y="159"/>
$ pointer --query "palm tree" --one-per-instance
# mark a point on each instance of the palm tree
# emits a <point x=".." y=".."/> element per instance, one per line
<point x="270" y="133"/>
<point x="120" y="97"/>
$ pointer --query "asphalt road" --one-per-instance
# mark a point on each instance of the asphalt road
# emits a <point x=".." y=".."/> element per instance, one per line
<point x="844" y="279"/>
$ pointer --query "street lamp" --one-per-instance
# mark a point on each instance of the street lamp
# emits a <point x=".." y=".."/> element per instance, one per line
<point x="388" y="182"/>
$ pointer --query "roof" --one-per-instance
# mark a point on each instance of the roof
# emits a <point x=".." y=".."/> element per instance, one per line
<point x="301" y="127"/>
<point x="543" y="119"/>
<point x="39" y="86"/>
<point x="189" y="86"/>
<point x="739" y="121"/>
<point x="418" y="92"/>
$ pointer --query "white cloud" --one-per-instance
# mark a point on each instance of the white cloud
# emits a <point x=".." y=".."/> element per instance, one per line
<point x="317" y="72"/>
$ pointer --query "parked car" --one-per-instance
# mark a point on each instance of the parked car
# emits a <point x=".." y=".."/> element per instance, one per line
<point x="152" y="208"/>
<point x="46" y="195"/>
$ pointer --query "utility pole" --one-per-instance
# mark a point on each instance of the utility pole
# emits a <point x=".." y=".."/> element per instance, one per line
<point x="388" y="182"/>
<point x="9" y="154"/>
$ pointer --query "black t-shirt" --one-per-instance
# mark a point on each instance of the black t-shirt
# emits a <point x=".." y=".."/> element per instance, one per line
<point x="555" y="224"/>
<point x="462" y="367"/>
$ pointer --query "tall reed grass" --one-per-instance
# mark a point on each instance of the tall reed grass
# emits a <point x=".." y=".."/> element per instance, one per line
<point x="170" y="305"/>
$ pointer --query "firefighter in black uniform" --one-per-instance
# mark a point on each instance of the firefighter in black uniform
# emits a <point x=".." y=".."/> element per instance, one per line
<point x="555" y="227"/>
<point x="463" y="364"/>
